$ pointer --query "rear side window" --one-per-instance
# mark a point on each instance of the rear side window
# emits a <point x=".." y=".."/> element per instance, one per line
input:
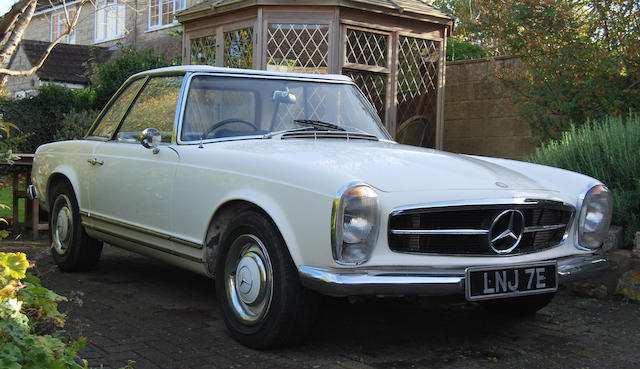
<point x="110" y="120"/>
<point x="155" y="107"/>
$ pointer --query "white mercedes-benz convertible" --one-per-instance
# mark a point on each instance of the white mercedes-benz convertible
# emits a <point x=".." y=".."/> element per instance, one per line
<point x="283" y="185"/>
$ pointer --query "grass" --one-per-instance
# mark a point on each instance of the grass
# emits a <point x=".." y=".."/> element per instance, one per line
<point x="6" y="198"/>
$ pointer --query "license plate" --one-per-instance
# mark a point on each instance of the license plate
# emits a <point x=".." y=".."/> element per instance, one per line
<point x="483" y="283"/>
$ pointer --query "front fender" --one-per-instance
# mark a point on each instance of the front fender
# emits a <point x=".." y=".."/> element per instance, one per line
<point x="306" y="233"/>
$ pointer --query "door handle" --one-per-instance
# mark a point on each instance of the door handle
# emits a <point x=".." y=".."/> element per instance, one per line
<point x="94" y="161"/>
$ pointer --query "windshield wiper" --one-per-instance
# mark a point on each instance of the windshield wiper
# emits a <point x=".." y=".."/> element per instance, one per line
<point x="318" y="124"/>
<point x="275" y="133"/>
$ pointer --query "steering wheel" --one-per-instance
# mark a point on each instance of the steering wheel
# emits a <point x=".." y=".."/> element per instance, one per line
<point x="225" y="122"/>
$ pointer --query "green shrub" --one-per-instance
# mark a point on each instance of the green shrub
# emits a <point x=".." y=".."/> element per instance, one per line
<point x="107" y="78"/>
<point x="462" y="50"/>
<point x="608" y="150"/>
<point x="40" y="117"/>
<point x="75" y="125"/>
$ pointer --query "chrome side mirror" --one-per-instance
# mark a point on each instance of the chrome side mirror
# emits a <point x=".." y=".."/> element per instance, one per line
<point x="151" y="138"/>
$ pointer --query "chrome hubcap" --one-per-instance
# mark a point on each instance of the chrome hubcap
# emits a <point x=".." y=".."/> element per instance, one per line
<point x="249" y="279"/>
<point x="63" y="225"/>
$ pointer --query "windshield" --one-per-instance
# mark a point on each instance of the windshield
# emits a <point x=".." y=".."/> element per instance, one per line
<point x="218" y="107"/>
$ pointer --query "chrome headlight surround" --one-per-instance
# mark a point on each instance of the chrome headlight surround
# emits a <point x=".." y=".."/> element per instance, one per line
<point x="594" y="217"/>
<point x="354" y="224"/>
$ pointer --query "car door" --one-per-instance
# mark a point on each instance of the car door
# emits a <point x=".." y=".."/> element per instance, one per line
<point x="130" y="185"/>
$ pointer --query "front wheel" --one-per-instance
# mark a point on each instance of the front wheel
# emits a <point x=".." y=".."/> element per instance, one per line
<point x="518" y="306"/>
<point x="257" y="285"/>
<point x="72" y="249"/>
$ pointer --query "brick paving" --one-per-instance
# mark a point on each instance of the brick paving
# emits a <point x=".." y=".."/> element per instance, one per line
<point x="134" y="308"/>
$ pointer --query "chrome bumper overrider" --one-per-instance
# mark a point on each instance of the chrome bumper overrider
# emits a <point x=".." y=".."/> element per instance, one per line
<point x="432" y="282"/>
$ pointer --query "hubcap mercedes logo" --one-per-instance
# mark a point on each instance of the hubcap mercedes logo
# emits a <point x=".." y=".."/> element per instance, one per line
<point x="506" y="231"/>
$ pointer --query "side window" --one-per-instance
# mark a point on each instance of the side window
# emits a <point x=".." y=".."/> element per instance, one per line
<point x="155" y="107"/>
<point x="113" y="116"/>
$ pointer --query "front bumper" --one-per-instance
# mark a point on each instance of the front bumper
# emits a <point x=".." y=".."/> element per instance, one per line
<point x="428" y="282"/>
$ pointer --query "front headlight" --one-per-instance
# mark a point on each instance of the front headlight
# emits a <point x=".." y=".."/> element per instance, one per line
<point x="354" y="224"/>
<point x="595" y="217"/>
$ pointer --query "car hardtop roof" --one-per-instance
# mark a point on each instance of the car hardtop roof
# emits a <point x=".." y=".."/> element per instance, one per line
<point x="243" y="72"/>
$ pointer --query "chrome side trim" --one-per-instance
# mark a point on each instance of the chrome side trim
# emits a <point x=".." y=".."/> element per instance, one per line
<point x="427" y="281"/>
<point x="465" y="232"/>
<point x="549" y="227"/>
<point x="141" y="230"/>
<point x="144" y="243"/>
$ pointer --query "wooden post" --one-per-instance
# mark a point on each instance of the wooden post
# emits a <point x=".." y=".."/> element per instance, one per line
<point x="14" y="190"/>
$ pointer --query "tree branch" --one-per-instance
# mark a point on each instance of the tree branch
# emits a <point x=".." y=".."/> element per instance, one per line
<point x="20" y="25"/>
<point x="9" y="19"/>
<point x="71" y="27"/>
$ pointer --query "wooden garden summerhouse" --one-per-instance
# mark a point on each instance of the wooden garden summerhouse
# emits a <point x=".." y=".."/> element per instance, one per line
<point x="393" y="49"/>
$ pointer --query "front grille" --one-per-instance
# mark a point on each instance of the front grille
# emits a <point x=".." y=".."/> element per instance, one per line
<point x="466" y="229"/>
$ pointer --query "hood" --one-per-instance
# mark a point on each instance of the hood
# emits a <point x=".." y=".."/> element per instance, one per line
<point x="387" y="166"/>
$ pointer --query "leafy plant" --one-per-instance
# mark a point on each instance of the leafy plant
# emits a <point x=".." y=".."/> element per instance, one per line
<point x="75" y="125"/>
<point x="580" y="58"/>
<point x="30" y="321"/>
<point x="458" y="49"/>
<point x="608" y="149"/>
<point x="107" y="78"/>
<point x="42" y="115"/>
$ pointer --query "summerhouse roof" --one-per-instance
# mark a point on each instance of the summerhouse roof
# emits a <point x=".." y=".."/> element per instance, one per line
<point x="417" y="7"/>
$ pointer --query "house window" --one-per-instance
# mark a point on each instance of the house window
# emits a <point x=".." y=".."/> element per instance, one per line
<point x="162" y="12"/>
<point x="110" y="20"/>
<point x="60" y="26"/>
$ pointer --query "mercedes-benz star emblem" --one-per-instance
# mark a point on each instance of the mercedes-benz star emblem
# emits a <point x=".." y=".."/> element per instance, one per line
<point x="506" y="231"/>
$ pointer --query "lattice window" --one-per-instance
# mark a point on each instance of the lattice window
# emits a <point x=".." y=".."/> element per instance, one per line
<point x="203" y="50"/>
<point x="310" y="104"/>
<point x="367" y="48"/>
<point x="298" y="47"/>
<point x="418" y="63"/>
<point x="238" y="48"/>
<point x="374" y="87"/>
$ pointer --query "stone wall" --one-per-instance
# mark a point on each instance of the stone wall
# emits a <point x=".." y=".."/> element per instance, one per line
<point x="478" y="115"/>
<point x="28" y="83"/>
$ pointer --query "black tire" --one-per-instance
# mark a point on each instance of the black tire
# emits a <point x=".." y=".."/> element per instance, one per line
<point x="72" y="249"/>
<point x="518" y="306"/>
<point x="268" y="307"/>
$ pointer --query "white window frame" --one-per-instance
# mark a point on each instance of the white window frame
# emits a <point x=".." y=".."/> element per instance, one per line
<point x="160" y="25"/>
<point x="71" y="38"/>
<point x="120" y="18"/>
